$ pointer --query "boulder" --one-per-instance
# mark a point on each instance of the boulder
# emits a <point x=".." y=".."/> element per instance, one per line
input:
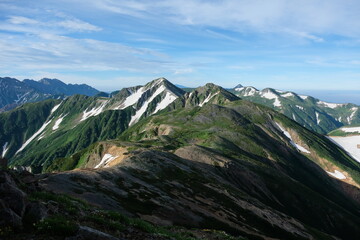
<point x="12" y="197"/>
<point x="8" y="217"/>
<point x="35" y="212"/>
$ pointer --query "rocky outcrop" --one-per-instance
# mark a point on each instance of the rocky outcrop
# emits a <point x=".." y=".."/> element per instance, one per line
<point x="12" y="202"/>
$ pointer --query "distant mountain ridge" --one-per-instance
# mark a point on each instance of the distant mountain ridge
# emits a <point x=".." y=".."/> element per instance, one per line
<point x="14" y="92"/>
<point x="55" y="86"/>
<point x="308" y="111"/>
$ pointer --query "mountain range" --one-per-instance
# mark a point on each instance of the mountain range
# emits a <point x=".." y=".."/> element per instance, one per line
<point x="14" y="92"/>
<point x="308" y="111"/>
<point x="203" y="159"/>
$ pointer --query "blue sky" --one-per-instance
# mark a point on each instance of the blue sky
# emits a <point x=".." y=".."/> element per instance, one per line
<point x="109" y="44"/>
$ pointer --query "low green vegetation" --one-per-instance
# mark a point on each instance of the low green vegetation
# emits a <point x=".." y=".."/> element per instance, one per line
<point x="75" y="213"/>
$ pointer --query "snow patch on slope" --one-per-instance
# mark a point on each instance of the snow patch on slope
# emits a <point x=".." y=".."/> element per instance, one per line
<point x="299" y="147"/>
<point x="93" y="112"/>
<point x="350" y="144"/>
<point x="57" y="123"/>
<point x="55" y="108"/>
<point x="287" y="134"/>
<point x="317" y="118"/>
<point x="289" y="94"/>
<point x="132" y="99"/>
<point x="352" y="115"/>
<point x="300" y="107"/>
<point x="143" y="108"/>
<point x="106" y="159"/>
<point x="330" y="105"/>
<point x="249" y="91"/>
<point x="337" y="174"/>
<point x="5" y="149"/>
<point x="303" y="97"/>
<point x="208" y="98"/>
<point x="271" y="95"/>
<point x="33" y="136"/>
<point x="169" y="98"/>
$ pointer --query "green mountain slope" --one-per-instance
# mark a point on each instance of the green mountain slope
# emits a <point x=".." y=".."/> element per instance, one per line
<point x="203" y="159"/>
<point x="309" y="112"/>
<point x="238" y="167"/>
<point x="79" y="121"/>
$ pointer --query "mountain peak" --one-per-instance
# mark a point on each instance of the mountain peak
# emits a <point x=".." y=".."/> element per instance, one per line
<point x="157" y="82"/>
<point x="238" y="86"/>
<point x="49" y="81"/>
<point x="209" y="93"/>
<point x="210" y="86"/>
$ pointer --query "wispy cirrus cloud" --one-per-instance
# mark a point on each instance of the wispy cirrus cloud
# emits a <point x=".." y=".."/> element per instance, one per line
<point x="61" y="24"/>
<point x="47" y="51"/>
<point x="307" y="18"/>
<point x="19" y="20"/>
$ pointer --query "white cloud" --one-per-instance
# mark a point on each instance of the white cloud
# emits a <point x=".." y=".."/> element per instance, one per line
<point x="21" y="20"/>
<point x="47" y="51"/>
<point x="77" y="25"/>
<point x="305" y="35"/>
<point x="308" y="18"/>
<point x="48" y="23"/>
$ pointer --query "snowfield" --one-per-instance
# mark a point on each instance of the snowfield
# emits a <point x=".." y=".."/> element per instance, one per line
<point x="349" y="144"/>
<point x="350" y="129"/>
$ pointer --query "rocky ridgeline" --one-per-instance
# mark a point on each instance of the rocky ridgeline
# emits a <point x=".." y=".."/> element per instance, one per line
<point x="29" y="212"/>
